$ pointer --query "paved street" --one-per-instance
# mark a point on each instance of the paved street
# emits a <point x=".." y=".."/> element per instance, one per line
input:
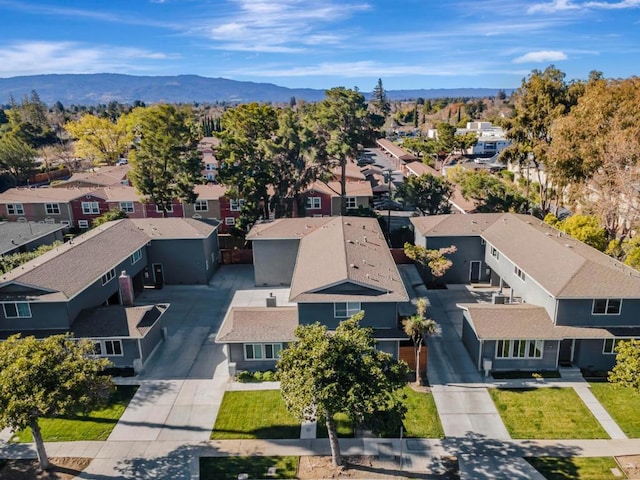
<point x="168" y="422"/>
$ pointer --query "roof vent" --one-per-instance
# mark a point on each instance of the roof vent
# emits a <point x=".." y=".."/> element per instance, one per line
<point x="567" y="245"/>
<point x="353" y="265"/>
<point x="350" y="241"/>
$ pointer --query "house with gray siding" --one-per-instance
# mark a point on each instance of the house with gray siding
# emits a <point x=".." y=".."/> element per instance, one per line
<point x="567" y="303"/>
<point x="334" y="267"/>
<point x="69" y="288"/>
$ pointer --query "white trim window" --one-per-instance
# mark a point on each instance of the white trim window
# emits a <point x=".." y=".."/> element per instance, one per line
<point x="90" y="208"/>
<point x="346" y="309"/>
<point x="519" y="348"/>
<point x="351" y="202"/>
<point x="236" y="205"/>
<point x="15" y="209"/>
<point x="201" y="205"/>
<point x="262" y="351"/>
<point x="17" y="310"/>
<point x="127" y="207"/>
<point x="314" y="203"/>
<point x="229" y="220"/>
<point x="83" y="223"/>
<point x="609" y="345"/>
<point x="169" y="208"/>
<point x="52" y="208"/>
<point x="606" y="306"/>
<point x="210" y="167"/>
<point x="107" y="348"/>
<point x="495" y="253"/>
<point x="136" y="256"/>
<point x="107" y="277"/>
<point x="519" y="273"/>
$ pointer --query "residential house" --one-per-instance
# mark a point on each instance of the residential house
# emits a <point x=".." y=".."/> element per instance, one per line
<point x="397" y="154"/>
<point x="48" y="205"/>
<point x="354" y="271"/>
<point x="65" y="289"/>
<point x="323" y="199"/>
<point x="562" y="302"/>
<point x="207" y="204"/>
<point x="207" y="147"/>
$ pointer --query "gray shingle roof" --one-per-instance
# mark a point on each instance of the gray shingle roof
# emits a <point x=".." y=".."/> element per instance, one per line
<point x="258" y="324"/>
<point x="522" y="322"/>
<point x="456" y="225"/>
<point x="14" y="234"/>
<point x="346" y="250"/>
<point x="117" y="321"/>
<point x="174" y="228"/>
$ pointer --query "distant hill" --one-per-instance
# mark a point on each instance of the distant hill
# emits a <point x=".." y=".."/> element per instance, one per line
<point x="87" y="89"/>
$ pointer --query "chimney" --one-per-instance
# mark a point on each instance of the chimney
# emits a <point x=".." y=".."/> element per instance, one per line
<point x="126" y="289"/>
<point x="271" y="300"/>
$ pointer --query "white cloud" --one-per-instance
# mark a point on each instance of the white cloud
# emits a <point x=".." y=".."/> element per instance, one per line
<point x="541" y="56"/>
<point x="279" y="25"/>
<point x="31" y="58"/>
<point x="565" y="5"/>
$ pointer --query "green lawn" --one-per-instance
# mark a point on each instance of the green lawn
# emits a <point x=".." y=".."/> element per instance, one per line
<point x="228" y="468"/>
<point x="254" y="414"/>
<point x="96" y="425"/>
<point x="622" y="404"/>
<point x="344" y="425"/>
<point x="577" y="468"/>
<point x="421" y="420"/>
<point x="550" y="413"/>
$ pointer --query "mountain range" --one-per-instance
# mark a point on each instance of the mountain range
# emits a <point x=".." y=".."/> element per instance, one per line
<point x="89" y="89"/>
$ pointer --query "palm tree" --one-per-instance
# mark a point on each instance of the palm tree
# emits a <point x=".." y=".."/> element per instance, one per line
<point x="418" y="327"/>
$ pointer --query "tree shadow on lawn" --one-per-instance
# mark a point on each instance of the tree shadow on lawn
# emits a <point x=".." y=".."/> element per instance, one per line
<point x="273" y="432"/>
<point x="480" y="451"/>
<point x="177" y="464"/>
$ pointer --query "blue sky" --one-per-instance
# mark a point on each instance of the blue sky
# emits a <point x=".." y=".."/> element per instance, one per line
<point x="324" y="43"/>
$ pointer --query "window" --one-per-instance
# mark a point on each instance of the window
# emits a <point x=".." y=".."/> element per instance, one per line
<point x="52" y="208"/>
<point x="17" y="310"/>
<point x="90" y="208"/>
<point x="262" y="351"/>
<point x="519" y="348"/>
<point x="519" y="273"/>
<point x="107" y="277"/>
<point x="495" y="253"/>
<point x="352" y="202"/>
<point x="229" y="221"/>
<point x="169" y="208"/>
<point x="610" y="345"/>
<point x="137" y="255"/>
<point x="345" y="309"/>
<point x="15" y="209"/>
<point x="102" y="348"/>
<point x="483" y="241"/>
<point x="83" y="223"/>
<point x="606" y="306"/>
<point x="314" y="203"/>
<point x="127" y="207"/>
<point x="211" y="176"/>
<point x="201" y="206"/>
<point x="235" y="205"/>
<point x="210" y="166"/>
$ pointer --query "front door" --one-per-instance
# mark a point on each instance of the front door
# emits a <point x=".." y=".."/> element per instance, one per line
<point x="565" y="357"/>
<point x="474" y="271"/>
<point x="158" y="275"/>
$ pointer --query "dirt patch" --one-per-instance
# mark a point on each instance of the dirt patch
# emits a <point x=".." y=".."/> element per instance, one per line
<point x="371" y="467"/>
<point x="630" y="465"/>
<point x="63" y="468"/>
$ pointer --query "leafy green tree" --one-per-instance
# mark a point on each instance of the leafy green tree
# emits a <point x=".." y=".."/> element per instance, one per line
<point x="419" y="327"/>
<point x="245" y="150"/>
<point x="490" y="193"/>
<point x="422" y="147"/>
<point x="100" y="139"/>
<point x="587" y="229"/>
<point x="115" y="214"/>
<point x="48" y="378"/>
<point x="341" y="371"/>
<point x="427" y="193"/>
<point x="379" y="99"/>
<point x="626" y="372"/>
<point x="465" y="141"/>
<point x="165" y="161"/>
<point x="542" y="98"/>
<point x="17" y="157"/>
<point x="433" y="259"/>
<point x="446" y="137"/>
<point x="341" y="123"/>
